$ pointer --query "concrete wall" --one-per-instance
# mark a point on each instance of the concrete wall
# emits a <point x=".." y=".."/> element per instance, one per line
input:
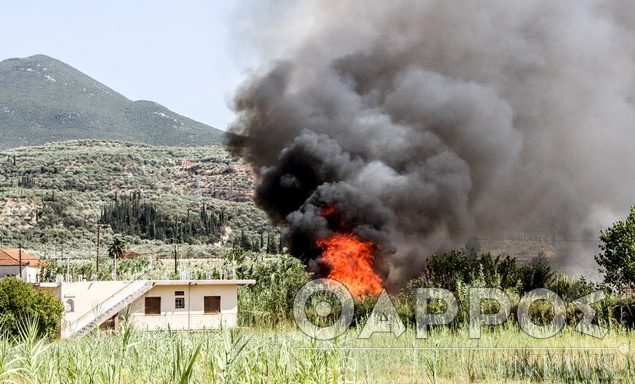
<point x="192" y="316"/>
<point x="80" y="298"/>
<point x="86" y="296"/>
<point x="29" y="274"/>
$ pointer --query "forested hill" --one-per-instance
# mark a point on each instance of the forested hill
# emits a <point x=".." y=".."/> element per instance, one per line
<point x="54" y="196"/>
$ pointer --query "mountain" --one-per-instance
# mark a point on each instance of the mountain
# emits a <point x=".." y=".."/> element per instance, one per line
<point x="45" y="100"/>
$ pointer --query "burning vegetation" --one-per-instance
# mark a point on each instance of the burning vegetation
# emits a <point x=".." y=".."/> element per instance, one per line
<point x="347" y="258"/>
<point x="350" y="261"/>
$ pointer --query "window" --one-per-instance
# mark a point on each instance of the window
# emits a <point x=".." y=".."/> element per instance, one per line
<point x="69" y="305"/>
<point x="179" y="303"/>
<point x="153" y="306"/>
<point x="179" y="293"/>
<point x="211" y="304"/>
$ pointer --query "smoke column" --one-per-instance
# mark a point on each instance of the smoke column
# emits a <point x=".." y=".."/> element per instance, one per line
<point x="424" y="123"/>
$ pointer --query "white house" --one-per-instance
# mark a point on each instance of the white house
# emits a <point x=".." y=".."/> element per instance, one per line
<point x="149" y="304"/>
<point x="10" y="259"/>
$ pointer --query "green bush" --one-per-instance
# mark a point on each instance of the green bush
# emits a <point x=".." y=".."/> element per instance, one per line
<point x="450" y="270"/>
<point x="621" y="309"/>
<point x="21" y="304"/>
<point x="570" y="289"/>
<point x="617" y="259"/>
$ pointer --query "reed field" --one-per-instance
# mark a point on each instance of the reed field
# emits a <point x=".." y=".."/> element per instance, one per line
<point x="283" y="354"/>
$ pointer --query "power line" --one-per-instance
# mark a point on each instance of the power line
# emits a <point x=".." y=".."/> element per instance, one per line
<point x="542" y="240"/>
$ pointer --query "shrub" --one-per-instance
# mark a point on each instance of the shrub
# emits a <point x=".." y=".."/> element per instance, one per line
<point x="617" y="259"/>
<point x="569" y="288"/>
<point x="450" y="269"/>
<point x="536" y="274"/>
<point x="446" y="270"/>
<point x="21" y="304"/>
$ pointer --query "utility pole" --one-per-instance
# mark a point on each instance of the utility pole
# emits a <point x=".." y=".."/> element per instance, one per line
<point x="20" y="258"/>
<point x="176" y="263"/>
<point x="114" y="267"/>
<point x="68" y="263"/>
<point x="97" y="254"/>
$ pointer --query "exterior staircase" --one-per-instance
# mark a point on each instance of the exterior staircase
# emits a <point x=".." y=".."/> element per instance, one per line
<point x="107" y="308"/>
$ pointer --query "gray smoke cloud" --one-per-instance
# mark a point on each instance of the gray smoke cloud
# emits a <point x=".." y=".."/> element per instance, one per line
<point x="428" y="122"/>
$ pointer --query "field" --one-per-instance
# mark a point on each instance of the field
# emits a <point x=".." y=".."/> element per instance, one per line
<point x="285" y="355"/>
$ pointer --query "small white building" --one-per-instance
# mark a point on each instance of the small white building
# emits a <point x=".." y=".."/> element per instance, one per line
<point x="149" y="304"/>
<point x="10" y="259"/>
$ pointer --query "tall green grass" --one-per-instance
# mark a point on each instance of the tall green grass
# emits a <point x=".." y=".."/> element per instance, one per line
<point x="285" y="355"/>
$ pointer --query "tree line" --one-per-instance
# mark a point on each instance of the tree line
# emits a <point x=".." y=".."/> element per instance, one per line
<point x="134" y="216"/>
<point x="130" y="215"/>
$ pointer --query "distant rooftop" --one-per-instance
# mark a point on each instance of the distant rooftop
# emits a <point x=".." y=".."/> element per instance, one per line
<point x="11" y="257"/>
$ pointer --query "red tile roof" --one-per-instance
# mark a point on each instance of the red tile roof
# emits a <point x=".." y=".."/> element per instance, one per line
<point x="131" y="255"/>
<point x="11" y="256"/>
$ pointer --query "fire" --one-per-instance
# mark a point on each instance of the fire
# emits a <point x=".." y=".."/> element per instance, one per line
<point x="328" y="212"/>
<point x="351" y="261"/>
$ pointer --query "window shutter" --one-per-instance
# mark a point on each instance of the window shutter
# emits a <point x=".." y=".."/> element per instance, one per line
<point x="211" y="304"/>
<point x="153" y="306"/>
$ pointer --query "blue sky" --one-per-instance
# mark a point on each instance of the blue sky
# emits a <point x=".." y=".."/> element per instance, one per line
<point x="180" y="54"/>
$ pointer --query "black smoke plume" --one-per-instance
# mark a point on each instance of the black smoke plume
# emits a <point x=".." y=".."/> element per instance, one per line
<point x="425" y="123"/>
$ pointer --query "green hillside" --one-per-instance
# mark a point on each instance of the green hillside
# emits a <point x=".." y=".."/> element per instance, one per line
<point x="44" y="100"/>
<point x="52" y="197"/>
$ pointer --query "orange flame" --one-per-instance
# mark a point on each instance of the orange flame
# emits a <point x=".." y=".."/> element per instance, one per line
<point x="351" y="261"/>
